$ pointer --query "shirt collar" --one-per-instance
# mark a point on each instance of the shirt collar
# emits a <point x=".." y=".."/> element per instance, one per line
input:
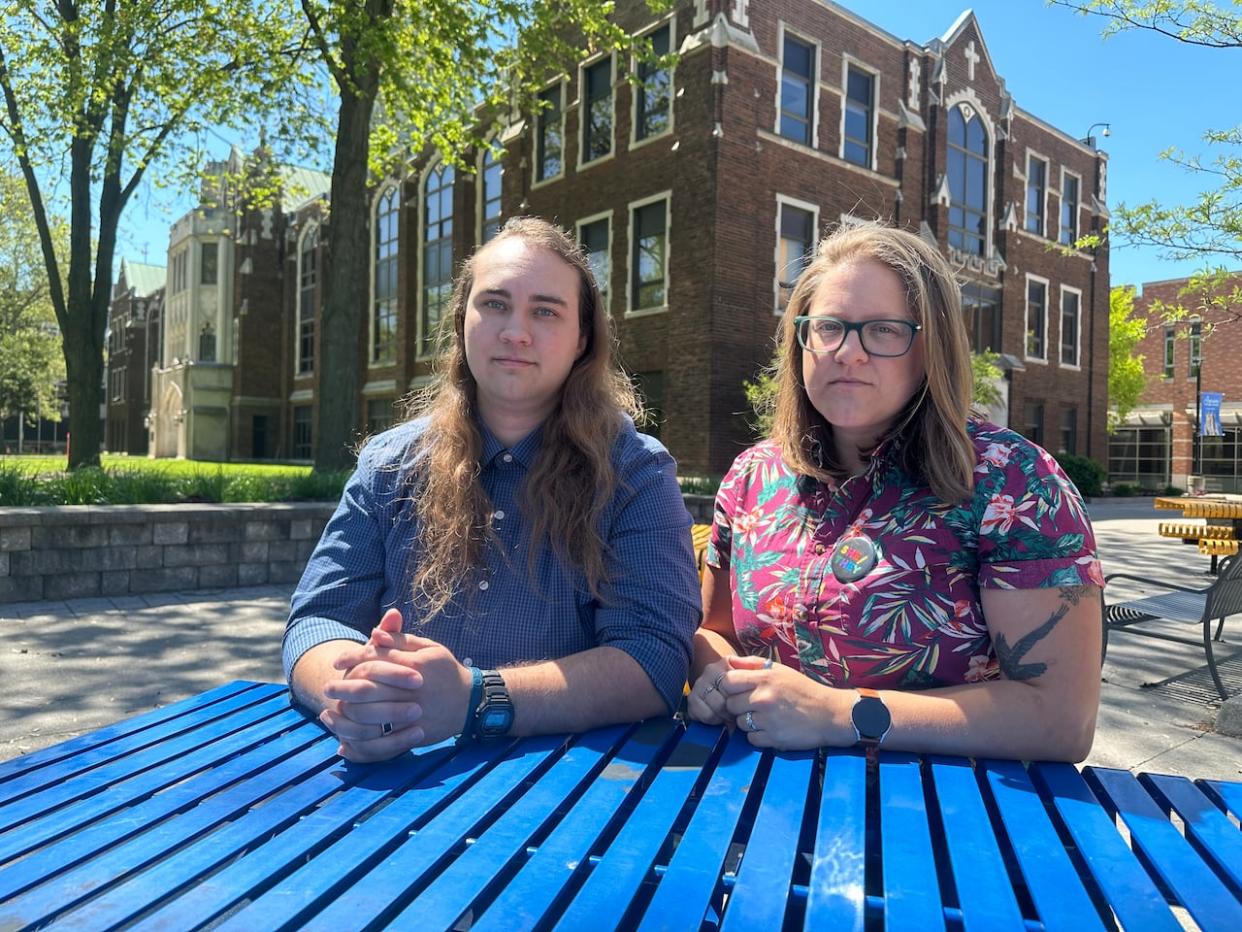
<point x="523" y="451"/>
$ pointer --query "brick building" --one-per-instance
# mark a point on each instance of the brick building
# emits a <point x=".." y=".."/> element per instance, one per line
<point x="134" y="345"/>
<point x="1156" y="444"/>
<point x="698" y="193"/>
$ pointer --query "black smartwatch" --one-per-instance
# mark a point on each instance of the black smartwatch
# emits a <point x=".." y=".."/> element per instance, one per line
<point x="493" y="717"/>
<point x="871" y="718"/>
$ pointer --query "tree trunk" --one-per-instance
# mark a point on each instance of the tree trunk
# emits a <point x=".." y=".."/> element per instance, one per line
<point x="346" y="285"/>
<point x="83" y="337"/>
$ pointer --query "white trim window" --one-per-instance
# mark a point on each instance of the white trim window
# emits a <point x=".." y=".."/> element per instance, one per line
<point x="595" y="236"/>
<point x="384" y="276"/>
<point x="648" y="254"/>
<point x="491" y="175"/>
<point x="653" y="95"/>
<point x="859" y="113"/>
<point x="799" y="89"/>
<point x="797" y="225"/>
<point x="550" y="134"/>
<point x="308" y="282"/>
<point x="598" y="110"/>
<point x="1071" y="327"/>
<point x="1170" y="352"/>
<point x="968" y="181"/>
<point x="1071" y="186"/>
<point x="1036" y="193"/>
<point x="436" y="268"/>
<point x="1036" y="322"/>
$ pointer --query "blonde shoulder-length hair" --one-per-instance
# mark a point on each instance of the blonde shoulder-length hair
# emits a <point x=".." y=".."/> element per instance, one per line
<point x="572" y="478"/>
<point x="930" y="432"/>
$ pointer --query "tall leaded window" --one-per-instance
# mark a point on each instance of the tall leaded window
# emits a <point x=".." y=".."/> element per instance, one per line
<point x="384" y="307"/>
<point x="1070" y="314"/>
<point x="968" y="181"/>
<point x="549" y="134"/>
<point x="1036" y="186"/>
<point x="1036" y="320"/>
<point x="1196" y="348"/>
<point x="595" y="237"/>
<point x="308" y="280"/>
<point x="491" y="176"/>
<point x="597" y="110"/>
<point x="1069" y="210"/>
<point x="653" y="97"/>
<point x="209" y="271"/>
<point x="797" y="89"/>
<point x="649" y="261"/>
<point x="437" y="250"/>
<point x="207" y="344"/>
<point x="793" y="251"/>
<point x="859" y="104"/>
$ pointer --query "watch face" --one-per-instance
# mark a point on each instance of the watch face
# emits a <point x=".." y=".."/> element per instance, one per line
<point x="871" y="718"/>
<point x="494" y="719"/>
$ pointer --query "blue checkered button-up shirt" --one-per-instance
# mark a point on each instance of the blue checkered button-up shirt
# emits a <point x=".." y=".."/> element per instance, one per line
<point x="364" y="561"/>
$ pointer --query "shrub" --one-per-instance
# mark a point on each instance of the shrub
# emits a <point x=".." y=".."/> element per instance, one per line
<point x="1085" y="473"/>
<point x="1173" y="491"/>
<point x="1124" y="489"/>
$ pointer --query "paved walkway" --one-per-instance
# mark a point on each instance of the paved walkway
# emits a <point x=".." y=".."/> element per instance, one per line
<point x="71" y="667"/>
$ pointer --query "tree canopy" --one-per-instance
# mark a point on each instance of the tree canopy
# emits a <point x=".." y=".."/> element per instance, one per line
<point x="1126" y="379"/>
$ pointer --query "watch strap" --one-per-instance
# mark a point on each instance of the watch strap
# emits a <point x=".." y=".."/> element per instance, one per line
<point x="472" y="707"/>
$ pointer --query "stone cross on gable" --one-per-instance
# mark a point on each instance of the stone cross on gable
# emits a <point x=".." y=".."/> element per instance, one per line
<point x="916" y="76"/>
<point x="972" y="58"/>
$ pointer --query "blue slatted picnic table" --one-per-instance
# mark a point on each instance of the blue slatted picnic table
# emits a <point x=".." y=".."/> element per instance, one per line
<point x="230" y="810"/>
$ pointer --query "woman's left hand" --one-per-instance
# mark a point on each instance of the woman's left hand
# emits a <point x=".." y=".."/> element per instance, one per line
<point x="787" y="709"/>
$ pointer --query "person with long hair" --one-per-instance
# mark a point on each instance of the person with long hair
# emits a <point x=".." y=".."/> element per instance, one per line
<point x="515" y="558"/>
<point x="889" y="569"/>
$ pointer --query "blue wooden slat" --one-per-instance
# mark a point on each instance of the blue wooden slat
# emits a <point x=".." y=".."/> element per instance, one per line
<point x="51" y="860"/>
<point x="836" y="898"/>
<point x="72" y="886"/>
<point x="440" y="905"/>
<point x="1194" y="884"/>
<point x="372" y="895"/>
<point x="249" y="874"/>
<point x="620" y="872"/>
<point x="53" y="778"/>
<point x="761" y="894"/>
<point x="563" y="854"/>
<point x="1056" y="889"/>
<point x="287" y="903"/>
<point x="87" y="804"/>
<point x="49" y="755"/>
<point x="1226" y="794"/>
<point x="911" y="888"/>
<point x="1215" y="837"/>
<point x="985" y="893"/>
<point x="685" y="891"/>
<point x="1129" y="891"/>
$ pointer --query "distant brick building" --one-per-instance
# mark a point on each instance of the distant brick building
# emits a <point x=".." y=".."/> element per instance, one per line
<point x="134" y="344"/>
<point x="699" y="193"/>
<point x="1155" y="446"/>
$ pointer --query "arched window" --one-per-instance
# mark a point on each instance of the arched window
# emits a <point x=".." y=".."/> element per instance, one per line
<point x="384" y="300"/>
<point x="437" y="250"/>
<point x="308" y="280"/>
<point x="968" y="181"/>
<point x="490" y="196"/>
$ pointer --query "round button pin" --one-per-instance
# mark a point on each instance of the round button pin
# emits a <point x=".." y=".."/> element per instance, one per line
<point x="853" y="558"/>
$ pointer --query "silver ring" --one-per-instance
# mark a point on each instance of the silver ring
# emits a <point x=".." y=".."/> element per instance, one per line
<point x="719" y="678"/>
<point x="710" y="689"/>
<point x="767" y="664"/>
<point x="385" y="729"/>
<point x="749" y="721"/>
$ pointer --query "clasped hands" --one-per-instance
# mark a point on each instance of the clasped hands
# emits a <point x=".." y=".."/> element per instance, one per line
<point x="775" y="705"/>
<point x="396" y="691"/>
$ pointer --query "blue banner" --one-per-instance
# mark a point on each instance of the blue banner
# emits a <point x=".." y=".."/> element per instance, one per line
<point x="1209" y="414"/>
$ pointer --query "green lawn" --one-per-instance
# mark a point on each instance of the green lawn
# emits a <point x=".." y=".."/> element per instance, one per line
<point x="114" y="462"/>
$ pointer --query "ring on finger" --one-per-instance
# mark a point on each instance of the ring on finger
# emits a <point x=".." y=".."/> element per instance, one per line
<point x="709" y="690"/>
<point x="719" y="679"/>
<point x="748" y="721"/>
<point x="385" y="729"/>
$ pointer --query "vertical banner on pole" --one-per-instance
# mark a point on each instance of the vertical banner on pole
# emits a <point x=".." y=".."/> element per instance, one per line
<point x="1209" y="415"/>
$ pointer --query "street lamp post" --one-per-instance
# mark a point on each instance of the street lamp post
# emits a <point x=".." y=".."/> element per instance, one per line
<point x="1090" y="140"/>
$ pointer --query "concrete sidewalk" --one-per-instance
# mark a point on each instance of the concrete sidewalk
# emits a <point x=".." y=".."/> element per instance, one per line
<point x="71" y="667"/>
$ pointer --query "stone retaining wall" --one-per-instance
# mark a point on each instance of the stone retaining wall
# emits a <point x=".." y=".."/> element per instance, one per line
<point x="78" y="551"/>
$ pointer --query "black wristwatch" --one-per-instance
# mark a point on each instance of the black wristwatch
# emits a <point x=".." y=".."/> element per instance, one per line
<point x="493" y="717"/>
<point x="871" y="718"/>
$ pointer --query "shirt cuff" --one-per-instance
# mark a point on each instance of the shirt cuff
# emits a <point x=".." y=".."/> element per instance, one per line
<point x="311" y="632"/>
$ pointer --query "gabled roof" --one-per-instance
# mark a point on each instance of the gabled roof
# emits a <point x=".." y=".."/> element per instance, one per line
<point x="302" y="185"/>
<point x="143" y="278"/>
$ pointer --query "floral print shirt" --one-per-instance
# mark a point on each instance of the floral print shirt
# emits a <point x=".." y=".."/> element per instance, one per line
<point x="914" y="621"/>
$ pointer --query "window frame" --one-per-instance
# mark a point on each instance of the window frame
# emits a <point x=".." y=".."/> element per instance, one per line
<point x="1067" y="174"/>
<point x="1076" y="365"/>
<point x="1041" y="406"/>
<point x="636" y="89"/>
<point x="1033" y="156"/>
<point x="783" y="201"/>
<point x="1026" y="319"/>
<point x="989" y="161"/>
<point x="631" y="244"/>
<point x="849" y="62"/>
<point x="536" y="140"/>
<point x="311" y="229"/>
<point x="784" y="31"/>
<point x="1069" y="423"/>
<point x="584" y="105"/>
<point x="203" y="264"/>
<point x="606" y="216"/>
<point x="393" y="186"/>
<point x="481" y="201"/>
<point x="424" y="349"/>
<point x="1169" y="369"/>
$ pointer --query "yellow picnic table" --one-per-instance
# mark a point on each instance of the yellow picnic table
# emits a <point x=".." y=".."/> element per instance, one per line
<point x="1219" y="538"/>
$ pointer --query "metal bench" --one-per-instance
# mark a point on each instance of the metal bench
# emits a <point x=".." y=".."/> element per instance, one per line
<point x="1180" y="603"/>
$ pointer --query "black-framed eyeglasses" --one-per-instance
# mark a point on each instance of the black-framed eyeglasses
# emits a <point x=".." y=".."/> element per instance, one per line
<point x="821" y="334"/>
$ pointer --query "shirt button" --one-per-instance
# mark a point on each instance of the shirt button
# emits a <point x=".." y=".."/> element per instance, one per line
<point x="498" y="515"/>
<point x="484" y="584"/>
<point x="508" y="457"/>
<point x="467" y="662"/>
<point x="820" y="548"/>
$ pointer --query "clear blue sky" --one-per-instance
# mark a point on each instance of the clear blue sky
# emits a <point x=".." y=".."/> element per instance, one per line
<point x="1153" y="91"/>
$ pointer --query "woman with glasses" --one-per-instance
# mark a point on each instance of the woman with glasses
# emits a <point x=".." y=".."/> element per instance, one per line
<point x="888" y="569"/>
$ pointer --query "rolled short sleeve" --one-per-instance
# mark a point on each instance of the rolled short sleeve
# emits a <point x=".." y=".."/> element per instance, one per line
<point x="720" y="544"/>
<point x="651" y="604"/>
<point x="1033" y="527"/>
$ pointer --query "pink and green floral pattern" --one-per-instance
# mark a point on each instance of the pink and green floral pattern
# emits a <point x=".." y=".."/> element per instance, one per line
<point x="915" y="620"/>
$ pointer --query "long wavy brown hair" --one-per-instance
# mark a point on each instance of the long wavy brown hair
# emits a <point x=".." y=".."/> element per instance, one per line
<point x="572" y="478"/>
<point x="931" y="431"/>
